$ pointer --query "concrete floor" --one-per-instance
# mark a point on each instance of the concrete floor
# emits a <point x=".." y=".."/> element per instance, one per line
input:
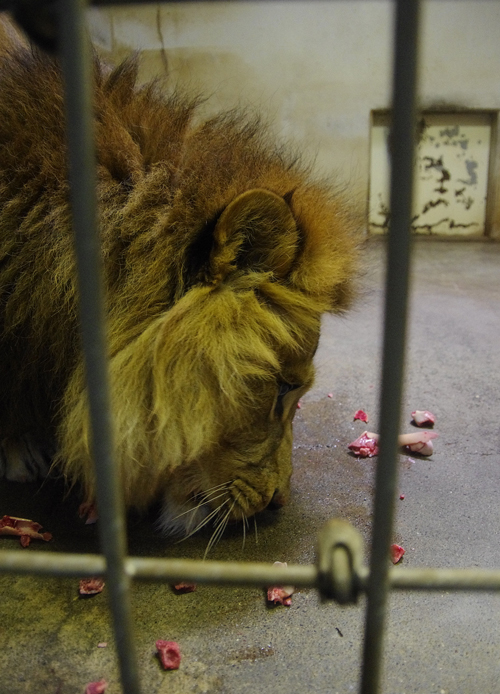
<point x="231" y="641"/>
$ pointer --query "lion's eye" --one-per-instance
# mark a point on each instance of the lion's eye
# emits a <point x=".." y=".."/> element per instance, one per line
<point x="283" y="389"/>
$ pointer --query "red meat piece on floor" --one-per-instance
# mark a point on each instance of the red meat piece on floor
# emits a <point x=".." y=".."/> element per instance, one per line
<point x="169" y="654"/>
<point x="184" y="587"/>
<point x="280" y="595"/>
<point x="423" y="418"/>
<point x="366" y="445"/>
<point x="361" y="415"/>
<point x="91" y="586"/>
<point x="96" y="687"/>
<point x="25" y="529"/>
<point x="396" y="553"/>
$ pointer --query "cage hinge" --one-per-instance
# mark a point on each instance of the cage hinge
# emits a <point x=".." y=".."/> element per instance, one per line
<point x="339" y="561"/>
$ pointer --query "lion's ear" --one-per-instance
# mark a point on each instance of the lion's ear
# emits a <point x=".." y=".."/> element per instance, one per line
<point x="10" y="36"/>
<point x="255" y="231"/>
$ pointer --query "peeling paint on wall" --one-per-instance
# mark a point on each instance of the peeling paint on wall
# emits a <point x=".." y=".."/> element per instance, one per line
<point x="451" y="174"/>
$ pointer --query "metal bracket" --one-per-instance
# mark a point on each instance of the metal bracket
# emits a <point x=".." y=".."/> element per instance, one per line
<point x="339" y="561"/>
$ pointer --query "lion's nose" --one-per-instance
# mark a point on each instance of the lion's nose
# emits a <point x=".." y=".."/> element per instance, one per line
<point x="278" y="500"/>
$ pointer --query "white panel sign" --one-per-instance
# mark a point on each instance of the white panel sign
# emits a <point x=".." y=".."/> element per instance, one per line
<point x="451" y="179"/>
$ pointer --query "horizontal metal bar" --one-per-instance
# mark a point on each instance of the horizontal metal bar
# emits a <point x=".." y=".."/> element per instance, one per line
<point x="227" y="573"/>
<point x="182" y="2"/>
<point x="236" y="573"/>
<point x="52" y="563"/>
<point x="444" y="579"/>
<point x="239" y="573"/>
<point x="8" y="5"/>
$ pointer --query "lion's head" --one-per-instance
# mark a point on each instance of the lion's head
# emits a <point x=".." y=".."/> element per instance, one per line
<point x="205" y="394"/>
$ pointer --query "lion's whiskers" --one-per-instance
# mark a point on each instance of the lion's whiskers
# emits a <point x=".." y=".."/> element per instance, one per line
<point x="245" y="522"/>
<point x="205" y="520"/>
<point x="255" y="526"/>
<point x="219" y="515"/>
<point x="219" y="530"/>
<point x="210" y="495"/>
<point x="206" y="498"/>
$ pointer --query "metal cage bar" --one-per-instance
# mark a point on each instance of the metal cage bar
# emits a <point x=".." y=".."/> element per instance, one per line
<point x="120" y="569"/>
<point x="77" y="72"/>
<point x="396" y="302"/>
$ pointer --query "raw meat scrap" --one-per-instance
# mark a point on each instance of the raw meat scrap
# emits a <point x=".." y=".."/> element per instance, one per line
<point x="280" y="595"/>
<point x="366" y="445"/>
<point x="96" y="687"/>
<point x="169" y="654"/>
<point x="423" y="418"/>
<point x="91" y="586"/>
<point x="184" y="587"/>
<point x="396" y="553"/>
<point x="361" y="415"/>
<point x="419" y="442"/>
<point x="25" y="529"/>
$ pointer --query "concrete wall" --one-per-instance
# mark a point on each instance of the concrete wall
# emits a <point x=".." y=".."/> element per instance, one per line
<point x="316" y="68"/>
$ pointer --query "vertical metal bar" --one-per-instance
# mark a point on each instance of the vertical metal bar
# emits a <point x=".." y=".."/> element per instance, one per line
<point x="397" y="283"/>
<point x="77" y="70"/>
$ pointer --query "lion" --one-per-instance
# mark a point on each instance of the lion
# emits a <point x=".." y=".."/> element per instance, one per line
<point x="220" y="255"/>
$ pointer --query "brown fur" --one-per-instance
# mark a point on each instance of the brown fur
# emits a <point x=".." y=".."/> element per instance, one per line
<point x="220" y="256"/>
